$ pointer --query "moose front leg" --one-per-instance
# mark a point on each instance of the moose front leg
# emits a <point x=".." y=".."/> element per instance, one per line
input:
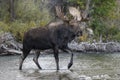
<point x="56" y="55"/>
<point x="71" y="61"/>
<point x="68" y="50"/>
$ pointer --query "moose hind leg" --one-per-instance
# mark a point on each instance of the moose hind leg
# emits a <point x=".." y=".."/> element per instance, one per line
<point x="35" y="59"/>
<point x="23" y="56"/>
<point x="56" y="57"/>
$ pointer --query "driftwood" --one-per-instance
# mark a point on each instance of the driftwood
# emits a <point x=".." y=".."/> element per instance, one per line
<point x="6" y="51"/>
<point x="8" y="44"/>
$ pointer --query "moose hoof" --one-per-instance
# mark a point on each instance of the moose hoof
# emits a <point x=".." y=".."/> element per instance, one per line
<point x="58" y="69"/>
<point x="20" y="68"/>
<point x="40" y="68"/>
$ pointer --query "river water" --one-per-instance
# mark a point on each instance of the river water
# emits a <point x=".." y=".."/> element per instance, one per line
<point x="88" y="66"/>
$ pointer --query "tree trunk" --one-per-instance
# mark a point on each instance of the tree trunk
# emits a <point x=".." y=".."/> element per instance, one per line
<point x="100" y="38"/>
<point x="12" y="12"/>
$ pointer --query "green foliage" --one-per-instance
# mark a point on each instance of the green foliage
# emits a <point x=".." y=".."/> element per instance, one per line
<point x="117" y="37"/>
<point x="79" y="3"/>
<point x="33" y="13"/>
<point x="29" y="10"/>
<point x="18" y="29"/>
<point x="4" y="11"/>
<point x="4" y="27"/>
<point x="28" y="14"/>
<point x="100" y="10"/>
<point x="102" y="14"/>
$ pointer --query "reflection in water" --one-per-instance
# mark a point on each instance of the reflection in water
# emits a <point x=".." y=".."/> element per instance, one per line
<point x="95" y="66"/>
<point x="47" y="74"/>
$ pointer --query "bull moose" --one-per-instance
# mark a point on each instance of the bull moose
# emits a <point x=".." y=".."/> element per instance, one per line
<point x="55" y="36"/>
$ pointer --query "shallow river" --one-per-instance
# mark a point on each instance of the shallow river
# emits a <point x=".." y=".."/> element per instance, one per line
<point x="87" y="66"/>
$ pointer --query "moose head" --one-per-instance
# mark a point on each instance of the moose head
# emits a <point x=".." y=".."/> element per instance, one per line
<point x="77" y="18"/>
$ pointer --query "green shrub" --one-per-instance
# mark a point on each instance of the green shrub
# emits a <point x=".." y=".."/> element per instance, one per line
<point x="29" y="10"/>
<point x="117" y="37"/>
<point x="4" y="27"/>
<point x="18" y="28"/>
<point x="28" y="14"/>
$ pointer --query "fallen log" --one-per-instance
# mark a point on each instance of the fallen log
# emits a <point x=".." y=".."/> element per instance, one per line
<point x="8" y="51"/>
<point x="13" y="51"/>
<point x="9" y="45"/>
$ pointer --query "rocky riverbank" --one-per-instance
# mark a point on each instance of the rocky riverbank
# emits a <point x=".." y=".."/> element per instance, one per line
<point x="8" y="45"/>
<point x="95" y="47"/>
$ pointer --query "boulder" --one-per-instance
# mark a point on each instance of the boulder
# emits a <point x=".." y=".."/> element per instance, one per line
<point x="113" y="47"/>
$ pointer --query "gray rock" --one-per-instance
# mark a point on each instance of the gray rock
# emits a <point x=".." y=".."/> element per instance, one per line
<point x="100" y="47"/>
<point x="95" y="47"/>
<point x="112" y="47"/>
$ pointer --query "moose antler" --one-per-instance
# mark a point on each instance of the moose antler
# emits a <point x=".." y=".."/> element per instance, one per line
<point x="60" y="13"/>
<point x="75" y="13"/>
<point x="78" y="15"/>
